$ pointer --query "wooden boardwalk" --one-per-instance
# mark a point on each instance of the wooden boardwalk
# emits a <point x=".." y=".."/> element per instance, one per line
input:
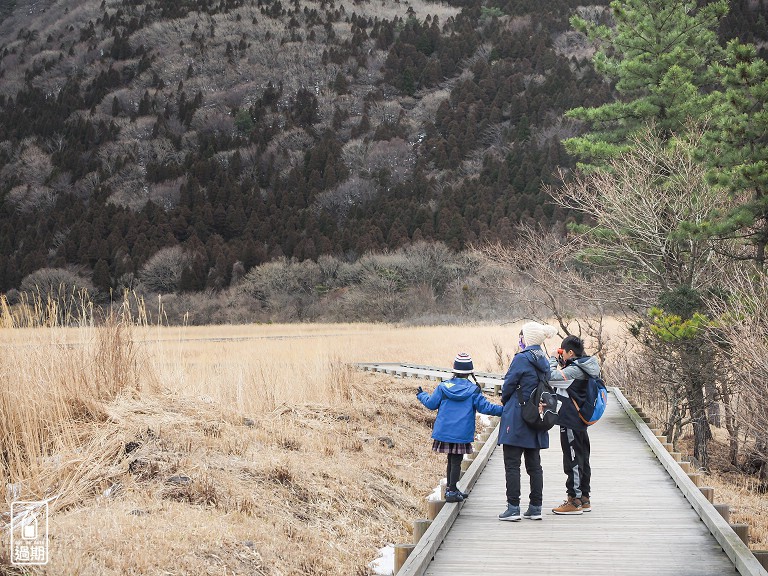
<point x="647" y="516"/>
<point x="640" y="522"/>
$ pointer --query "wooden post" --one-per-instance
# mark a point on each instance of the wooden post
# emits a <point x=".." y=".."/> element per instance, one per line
<point x="696" y="478"/>
<point x="686" y="467"/>
<point x="419" y="528"/>
<point x="497" y="389"/>
<point x="662" y="439"/>
<point x="742" y="531"/>
<point x="709" y="493"/>
<point x="477" y="446"/>
<point x="647" y="419"/>
<point x="443" y="486"/>
<point x="724" y="510"/>
<point x="762" y="557"/>
<point x="668" y="446"/>
<point x="677" y="456"/>
<point x="401" y="554"/>
<point x="465" y="464"/>
<point x="434" y="508"/>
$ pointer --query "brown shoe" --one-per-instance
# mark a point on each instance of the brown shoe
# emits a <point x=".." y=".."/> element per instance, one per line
<point x="585" y="506"/>
<point x="571" y="506"/>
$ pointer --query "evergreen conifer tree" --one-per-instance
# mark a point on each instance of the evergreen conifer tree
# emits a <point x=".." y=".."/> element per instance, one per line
<point x="658" y="54"/>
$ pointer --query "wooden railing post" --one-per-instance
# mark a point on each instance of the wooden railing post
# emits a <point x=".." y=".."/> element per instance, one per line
<point x="696" y="478"/>
<point x="725" y="511"/>
<point x="434" y="508"/>
<point x="762" y="557"/>
<point x="419" y="527"/>
<point x="709" y="493"/>
<point x="401" y="554"/>
<point x="742" y="531"/>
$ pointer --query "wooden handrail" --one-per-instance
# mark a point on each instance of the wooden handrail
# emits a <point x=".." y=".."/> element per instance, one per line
<point x="739" y="553"/>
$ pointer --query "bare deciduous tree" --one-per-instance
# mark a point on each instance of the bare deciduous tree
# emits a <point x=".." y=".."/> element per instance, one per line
<point x="162" y="272"/>
<point x="551" y="284"/>
<point x="644" y="209"/>
<point x="647" y="209"/>
<point x="342" y="198"/>
<point x="742" y="325"/>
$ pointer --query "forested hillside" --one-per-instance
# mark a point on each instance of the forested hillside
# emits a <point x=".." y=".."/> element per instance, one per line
<point x="229" y="133"/>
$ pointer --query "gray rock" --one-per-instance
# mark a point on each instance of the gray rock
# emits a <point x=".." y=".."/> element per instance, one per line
<point x="387" y="441"/>
<point x="179" y="480"/>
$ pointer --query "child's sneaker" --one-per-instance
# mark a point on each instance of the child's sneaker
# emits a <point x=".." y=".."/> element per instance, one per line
<point x="511" y="514"/>
<point x="464" y="494"/>
<point x="585" y="506"/>
<point x="533" y="512"/>
<point x="570" y="506"/>
<point x="453" y="496"/>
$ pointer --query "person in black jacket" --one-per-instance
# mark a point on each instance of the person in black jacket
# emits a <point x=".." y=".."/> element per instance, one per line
<point x="573" y="364"/>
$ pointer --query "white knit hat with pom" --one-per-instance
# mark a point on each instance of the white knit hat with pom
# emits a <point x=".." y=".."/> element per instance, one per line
<point x="535" y="333"/>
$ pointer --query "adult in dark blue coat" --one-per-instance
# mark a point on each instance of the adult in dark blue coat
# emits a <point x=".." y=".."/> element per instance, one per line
<point x="517" y="438"/>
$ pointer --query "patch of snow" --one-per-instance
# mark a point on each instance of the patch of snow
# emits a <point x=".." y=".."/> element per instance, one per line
<point x="384" y="565"/>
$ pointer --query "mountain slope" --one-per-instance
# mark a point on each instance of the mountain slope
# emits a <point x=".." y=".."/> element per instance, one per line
<point x="244" y="130"/>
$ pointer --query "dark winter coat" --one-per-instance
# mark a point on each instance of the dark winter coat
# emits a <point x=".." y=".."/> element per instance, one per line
<point x="568" y="416"/>
<point x="456" y="401"/>
<point x="523" y="372"/>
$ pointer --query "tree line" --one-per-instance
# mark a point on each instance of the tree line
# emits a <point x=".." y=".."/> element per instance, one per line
<point x="80" y="194"/>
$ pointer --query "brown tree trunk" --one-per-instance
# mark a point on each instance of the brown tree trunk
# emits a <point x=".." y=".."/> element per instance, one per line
<point x="713" y="406"/>
<point x="731" y="425"/>
<point x="701" y="431"/>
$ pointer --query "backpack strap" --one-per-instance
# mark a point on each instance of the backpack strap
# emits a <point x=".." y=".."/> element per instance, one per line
<point x="575" y="405"/>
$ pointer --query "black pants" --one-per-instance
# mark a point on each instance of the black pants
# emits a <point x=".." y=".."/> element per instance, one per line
<point x="512" y="455"/>
<point x="453" y="471"/>
<point x="575" y="444"/>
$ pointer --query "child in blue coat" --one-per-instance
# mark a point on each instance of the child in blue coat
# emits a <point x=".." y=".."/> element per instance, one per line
<point x="456" y="400"/>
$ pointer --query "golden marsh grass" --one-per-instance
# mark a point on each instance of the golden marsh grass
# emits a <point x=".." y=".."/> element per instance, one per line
<point x="283" y="449"/>
<point x="249" y="449"/>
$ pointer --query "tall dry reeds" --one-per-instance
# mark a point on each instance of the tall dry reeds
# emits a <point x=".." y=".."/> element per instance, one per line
<point x="57" y="306"/>
<point x="56" y="386"/>
<point x="259" y="418"/>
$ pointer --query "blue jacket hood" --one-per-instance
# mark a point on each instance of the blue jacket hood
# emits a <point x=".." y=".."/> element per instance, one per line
<point x="459" y="388"/>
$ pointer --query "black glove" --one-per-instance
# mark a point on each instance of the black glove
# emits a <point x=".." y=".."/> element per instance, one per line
<point x="419" y="390"/>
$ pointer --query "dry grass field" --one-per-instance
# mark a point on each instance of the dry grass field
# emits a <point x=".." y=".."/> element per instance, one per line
<point x="227" y="450"/>
<point x="223" y="450"/>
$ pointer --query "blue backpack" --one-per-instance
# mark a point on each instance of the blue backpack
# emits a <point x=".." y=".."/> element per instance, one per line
<point x="596" y="400"/>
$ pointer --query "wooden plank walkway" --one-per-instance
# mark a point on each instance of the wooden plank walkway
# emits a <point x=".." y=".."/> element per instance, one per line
<point x="640" y="523"/>
<point x="647" y="517"/>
